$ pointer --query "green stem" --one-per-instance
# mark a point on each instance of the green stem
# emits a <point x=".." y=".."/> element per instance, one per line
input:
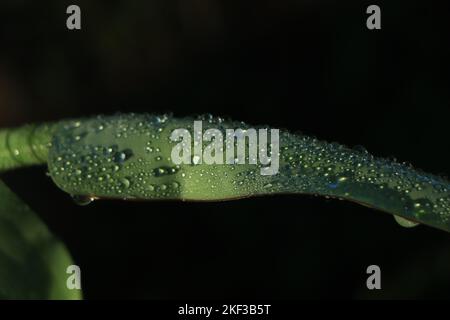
<point x="25" y="146"/>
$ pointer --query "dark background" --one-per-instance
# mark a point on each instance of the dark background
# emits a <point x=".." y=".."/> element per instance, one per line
<point x="301" y="65"/>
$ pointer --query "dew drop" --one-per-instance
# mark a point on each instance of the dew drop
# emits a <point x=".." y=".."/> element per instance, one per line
<point x="195" y="159"/>
<point x="125" y="183"/>
<point x="405" y="222"/>
<point x="122" y="156"/>
<point x="360" y="149"/>
<point x="159" y="172"/>
<point x="82" y="200"/>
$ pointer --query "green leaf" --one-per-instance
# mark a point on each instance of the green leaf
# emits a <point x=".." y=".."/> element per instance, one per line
<point x="33" y="262"/>
<point x="131" y="156"/>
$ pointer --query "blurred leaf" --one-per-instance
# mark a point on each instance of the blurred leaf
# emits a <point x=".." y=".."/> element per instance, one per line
<point x="33" y="262"/>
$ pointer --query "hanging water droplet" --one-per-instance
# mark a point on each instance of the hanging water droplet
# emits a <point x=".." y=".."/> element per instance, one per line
<point x="82" y="200"/>
<point x="405" y="222"/>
